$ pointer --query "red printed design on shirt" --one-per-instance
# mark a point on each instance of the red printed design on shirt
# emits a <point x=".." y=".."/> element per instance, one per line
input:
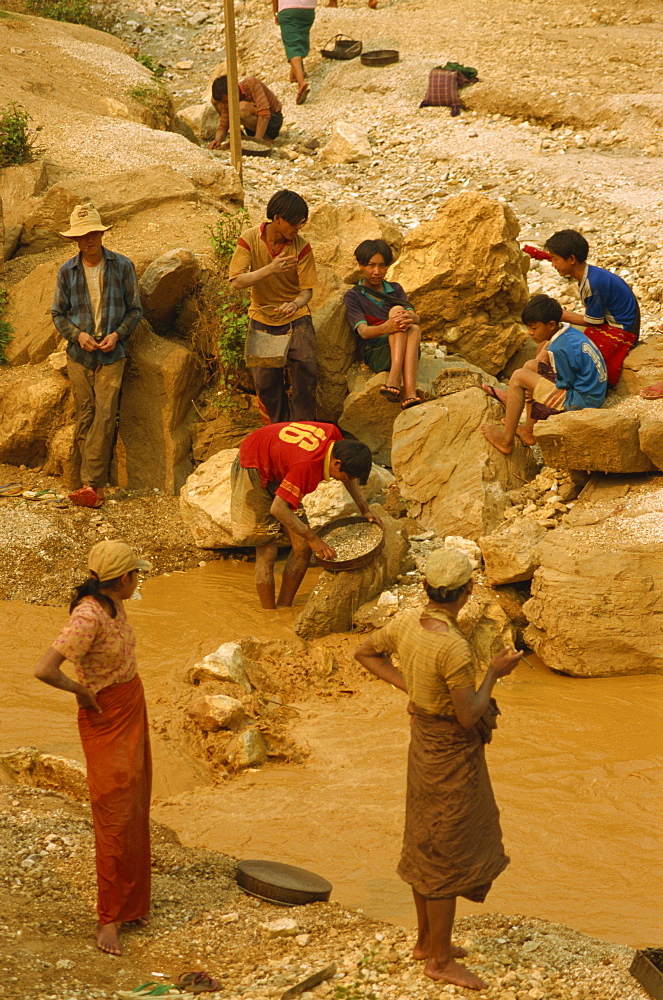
<point x="291" y="454"/>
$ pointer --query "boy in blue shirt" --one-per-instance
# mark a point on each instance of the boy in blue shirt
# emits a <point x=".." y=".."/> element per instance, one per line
<point x="612" y="315"/>
<point x="568" y="373"/>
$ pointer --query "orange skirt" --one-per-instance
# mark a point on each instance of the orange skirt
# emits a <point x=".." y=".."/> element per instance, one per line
<point x="119" y="775"/>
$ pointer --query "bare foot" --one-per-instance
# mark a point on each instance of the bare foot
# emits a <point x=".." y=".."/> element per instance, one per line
<point x="525" y="436"/>
<point x="421" y="952"/>
<point x="107" y="939"/>
<point x="454" y="973"/>
<point x="495" y="437"/>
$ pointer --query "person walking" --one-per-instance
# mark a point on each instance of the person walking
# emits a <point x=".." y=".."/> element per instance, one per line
<point x="295" y="19"/>
<point x="113" y="726"/>
<point x="277" y="264"/>
<point x="453" y="842"/>
<point x="96" y="308"/>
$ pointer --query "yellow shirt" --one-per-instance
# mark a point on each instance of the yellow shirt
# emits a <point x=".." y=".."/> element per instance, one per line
<point x="252" y="253"/>
<point x="432" y="663"/>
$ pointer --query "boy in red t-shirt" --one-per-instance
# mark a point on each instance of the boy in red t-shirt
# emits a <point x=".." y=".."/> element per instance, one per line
<point x="276" y="467"/>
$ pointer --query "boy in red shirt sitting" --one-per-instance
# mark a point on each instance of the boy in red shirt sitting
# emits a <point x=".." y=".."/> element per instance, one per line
<point x="276" y="467"/>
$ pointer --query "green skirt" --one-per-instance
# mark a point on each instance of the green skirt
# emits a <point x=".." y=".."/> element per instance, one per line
<point x="376" y="353"/>
<point x="295" y="24"/>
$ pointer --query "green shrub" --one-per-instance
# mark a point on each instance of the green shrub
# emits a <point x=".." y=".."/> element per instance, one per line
<point x="17" y="140"/>
<point x="231" y="313"/>
<point x="100" y="15"/>
<point x="149" y="63"/>
<point x="6" y="329"/>
<point x="156" y="99"/>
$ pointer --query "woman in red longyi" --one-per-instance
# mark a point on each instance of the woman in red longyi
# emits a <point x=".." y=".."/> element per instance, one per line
<point x="112" y="722"/>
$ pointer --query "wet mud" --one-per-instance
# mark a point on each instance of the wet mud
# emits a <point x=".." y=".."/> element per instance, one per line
<point x="577" y="767"/>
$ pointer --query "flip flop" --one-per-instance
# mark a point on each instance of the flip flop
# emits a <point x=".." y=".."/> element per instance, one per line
<point x="86" y="497"/>
<point x="199" y="982"/>
<point x="407" y="404"/>
<point x="49" y="495"/>
<point x="153" y="989"/>
<point x="11" y="490"/>
<point x="391" y="392"/>
<point x="490" y="391"/>
<point x="302" y="95"/>
<point x="653" y="391"/>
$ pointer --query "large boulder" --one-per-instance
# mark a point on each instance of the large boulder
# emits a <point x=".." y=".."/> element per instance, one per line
<point x="485" y="625"/>
<point x="369" y="417"/>
<point x="642" y="366"/>
<point x="35" y="406"/>
<point x="465" y="275"/>
<point x="337" y="596"/>
<point x="117" y="196"/>
<point x="205" y="502"/>
<point x="212" y="712"/>
<point x="336" y="350"/>
<point x="160" y="384"/>
<point x="29" y="766"/>
<point x="202" y="119"/>
<point x="597" y="597"/>
<point x="336" y="229"/>
<point x="165" y="283"/>
<point x="511" y="554"/>
<point x="20" y="188"/>
<point x="33" y="336"/>
<point x="605" y="440"/>
<point x="331" y="499"/>
<point x="444" y="464"/>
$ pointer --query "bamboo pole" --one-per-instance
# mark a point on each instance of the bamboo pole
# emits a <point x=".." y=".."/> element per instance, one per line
<point x="233" y="91"/>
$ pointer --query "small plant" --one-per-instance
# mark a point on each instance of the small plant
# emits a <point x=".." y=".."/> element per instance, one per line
<point x="17" y="140"/>
<point x="156" y="99"/>
<point x="149" y="63"/>
<point x="6" y="329"/>
<point x="101" y="16"/>
<point x="225" y="234"/>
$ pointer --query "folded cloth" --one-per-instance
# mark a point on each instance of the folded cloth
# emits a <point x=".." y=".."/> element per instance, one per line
<point x="443" y="90"/>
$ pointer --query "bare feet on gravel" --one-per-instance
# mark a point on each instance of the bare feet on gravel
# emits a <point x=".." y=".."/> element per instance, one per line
<point x="421" y="952"/>
<point x="454" y="973"/>
<point x="107" y="939"/>
<point x="495" y="437"/>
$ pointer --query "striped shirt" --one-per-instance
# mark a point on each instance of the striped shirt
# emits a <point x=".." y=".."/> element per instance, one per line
<point x="121" y="309"/>
<point x="432" y="663"/>
<point x="257" y="93"/>
<point x="253" y="252"/>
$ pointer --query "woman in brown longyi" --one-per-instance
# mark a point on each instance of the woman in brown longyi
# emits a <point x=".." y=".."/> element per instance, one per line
<point x="452" y="844"/>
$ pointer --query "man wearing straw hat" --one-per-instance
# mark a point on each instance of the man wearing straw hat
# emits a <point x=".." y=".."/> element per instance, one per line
<point x="96" y="308"/>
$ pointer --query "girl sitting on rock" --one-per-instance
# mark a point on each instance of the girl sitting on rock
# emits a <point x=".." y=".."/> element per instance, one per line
<point x="387" y="325"/>
<point x="112" y="722"/>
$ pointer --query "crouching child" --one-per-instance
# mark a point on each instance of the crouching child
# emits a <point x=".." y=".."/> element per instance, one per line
<point x="568" y="373"/>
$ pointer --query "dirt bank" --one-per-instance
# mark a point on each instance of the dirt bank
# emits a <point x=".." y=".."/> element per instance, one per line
<point x="201" y="920"/>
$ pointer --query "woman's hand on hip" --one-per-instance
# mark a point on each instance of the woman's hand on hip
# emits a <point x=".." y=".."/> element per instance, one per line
<point x="86" y="699"/>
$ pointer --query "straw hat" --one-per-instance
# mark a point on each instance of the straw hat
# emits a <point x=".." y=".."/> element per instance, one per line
<point x="83" y="220"/>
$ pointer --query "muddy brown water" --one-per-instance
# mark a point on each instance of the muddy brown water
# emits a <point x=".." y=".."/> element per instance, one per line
<point x="577" y="767"/>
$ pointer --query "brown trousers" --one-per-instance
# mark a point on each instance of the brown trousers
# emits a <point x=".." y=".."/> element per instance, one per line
<point x="96" y="396"/>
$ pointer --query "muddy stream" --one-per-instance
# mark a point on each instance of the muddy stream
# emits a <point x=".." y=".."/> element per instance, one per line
<point x="577" y="767"/>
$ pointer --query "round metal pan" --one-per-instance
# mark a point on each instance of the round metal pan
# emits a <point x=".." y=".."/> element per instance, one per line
<point x="282" y="884"/>
<point x="380" y="57"/>
<point x="343" y="565"/>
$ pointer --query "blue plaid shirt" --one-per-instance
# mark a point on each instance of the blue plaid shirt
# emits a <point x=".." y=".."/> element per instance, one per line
<point x="121" y="308"/>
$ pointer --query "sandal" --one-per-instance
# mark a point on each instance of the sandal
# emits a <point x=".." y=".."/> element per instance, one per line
<point x="11" y="490"/>
<point x="491" y="391"/>
<point x="86" y="497"/>
<point x="49" y="495"/>
<point x="391" y="392"/>
<point x="407" y="404"/>
<point x="303" y="94"/>
<point x="152" y="989"/>
<point x="199" y="982"/>
<point x="653" y="391"/>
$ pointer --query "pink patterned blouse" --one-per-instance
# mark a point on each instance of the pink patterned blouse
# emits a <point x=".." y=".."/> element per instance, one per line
<point x="101" y="648"/>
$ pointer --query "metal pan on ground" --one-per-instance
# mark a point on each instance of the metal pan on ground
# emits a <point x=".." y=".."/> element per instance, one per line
<point x="341" y="565"/>
<point x="282" y="884"/>
<point x="647" y="968"/>
<point x="380" y="57"/>
<point x="255" y="147"/>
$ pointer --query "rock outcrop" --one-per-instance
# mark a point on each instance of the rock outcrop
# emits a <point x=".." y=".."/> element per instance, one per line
<point x="202" y="119"/>
<point x="465" y="275"/>
<point x="596" y="608"/>
<point x="164" y="284"/>
<point x="35" y="407"/>
<point x="205" y="502"/>
<point x="510" y="554"/>
<point x="336" y="350"/>
<point x="29" y="766"/>
<point x="369" y="417"/>
<point x="154" y="444"/>
<point x="605" y="440"/>
<point x="33" y="335"/>
<point x="337" y="596"/>
<point x="227" y="429"/>
<point x="444" y="464"/>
